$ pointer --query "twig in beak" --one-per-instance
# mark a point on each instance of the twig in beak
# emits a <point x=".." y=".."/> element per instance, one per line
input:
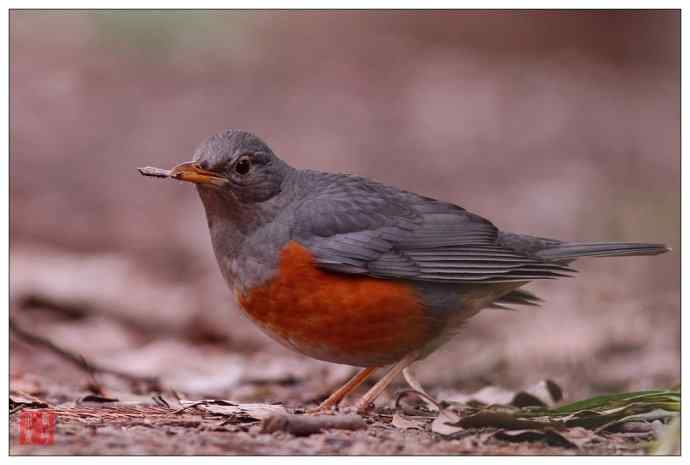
<point x="154" y="172"/>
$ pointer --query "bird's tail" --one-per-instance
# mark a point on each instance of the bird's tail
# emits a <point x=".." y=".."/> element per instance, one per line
<point x="572" y="250"/>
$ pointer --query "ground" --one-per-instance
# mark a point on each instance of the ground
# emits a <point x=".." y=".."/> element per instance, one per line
<point x="122" y="376"/>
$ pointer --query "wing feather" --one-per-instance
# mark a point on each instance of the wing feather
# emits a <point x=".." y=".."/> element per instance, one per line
<point x="352" y="225"/>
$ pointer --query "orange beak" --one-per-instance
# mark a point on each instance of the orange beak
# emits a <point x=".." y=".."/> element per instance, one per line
<point x="191" y="172"/>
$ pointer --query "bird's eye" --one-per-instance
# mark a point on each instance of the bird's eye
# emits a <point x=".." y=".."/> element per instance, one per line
<point x="243" y="165"/>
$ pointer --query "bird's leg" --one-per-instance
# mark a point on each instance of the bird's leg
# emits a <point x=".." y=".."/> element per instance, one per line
<point x="417" y="386"/>
<point x="337" y="396"/>
<point x="376" y="390"/>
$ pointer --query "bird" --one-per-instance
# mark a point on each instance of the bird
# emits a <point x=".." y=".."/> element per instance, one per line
<point x="348" y="270"/>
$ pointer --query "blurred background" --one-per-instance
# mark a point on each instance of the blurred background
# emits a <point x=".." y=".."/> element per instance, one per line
<point x="558" y="124"/>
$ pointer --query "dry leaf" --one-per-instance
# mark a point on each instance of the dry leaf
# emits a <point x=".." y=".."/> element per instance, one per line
<point x="19" y="400"/>
<point x="488" y="395"/>
<point x="96" y="399"/>
<point x="231" y="409"/>
<point x="545" y="393"/>
<point x="446" y="423"/>
<point x="403" y="422"/>
<point x="548" y="436"/>
<point x="492" y="419"/>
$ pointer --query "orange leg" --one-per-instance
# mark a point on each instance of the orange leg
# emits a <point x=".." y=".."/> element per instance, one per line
<point x="337" y="396"/>
<point x="371" y="395"/>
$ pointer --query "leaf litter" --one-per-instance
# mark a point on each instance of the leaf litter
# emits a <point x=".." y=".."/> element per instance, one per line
<point x="572" y="425"/>
<point x="491" y="420"/>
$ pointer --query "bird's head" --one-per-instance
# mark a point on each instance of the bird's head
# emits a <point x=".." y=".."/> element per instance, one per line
<point x="234" y="164"/>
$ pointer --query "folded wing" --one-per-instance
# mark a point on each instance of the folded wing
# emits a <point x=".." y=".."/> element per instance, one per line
<point x="352" y="225"/>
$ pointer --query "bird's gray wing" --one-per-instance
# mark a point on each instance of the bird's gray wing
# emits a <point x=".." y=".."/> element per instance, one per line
<point x="354" y="225"/>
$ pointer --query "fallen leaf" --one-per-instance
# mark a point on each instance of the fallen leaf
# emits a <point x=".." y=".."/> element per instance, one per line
<point x="657" y="414"/>
<point x="549" y="436"/>
<point x="580" y="436"/>
<point x="231" y="409"/>
<point x="20" y="401"/>
<point x="545" y="393"/>
<point x="489" y="395"/>
<point x="97" y="399"/>
<point x="446" y="423"/>
<point x="607" y="402"/>
<point x="494" y="419"/>
<point x="402" y="422"/>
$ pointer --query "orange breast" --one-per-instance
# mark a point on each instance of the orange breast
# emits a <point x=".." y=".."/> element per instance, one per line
<point x="337" y="317"/>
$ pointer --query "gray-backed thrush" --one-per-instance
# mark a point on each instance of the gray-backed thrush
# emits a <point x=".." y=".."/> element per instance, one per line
<point x="348" y="270"/>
